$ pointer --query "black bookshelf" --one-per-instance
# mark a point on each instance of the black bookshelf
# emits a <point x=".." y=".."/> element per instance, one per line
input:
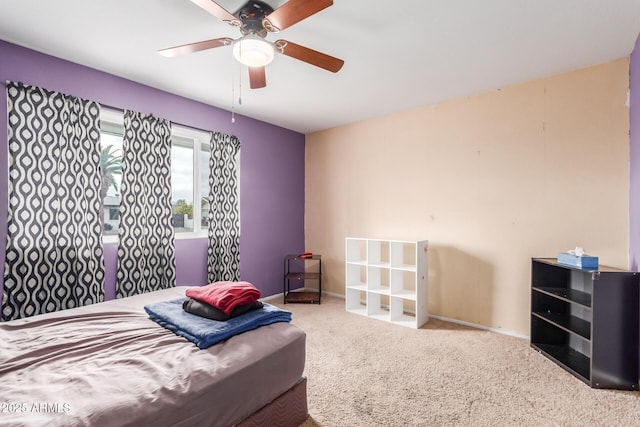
<point x="587" y="321"/>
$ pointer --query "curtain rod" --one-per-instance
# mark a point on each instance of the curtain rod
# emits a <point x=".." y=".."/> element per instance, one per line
<point x="122" y="110"/>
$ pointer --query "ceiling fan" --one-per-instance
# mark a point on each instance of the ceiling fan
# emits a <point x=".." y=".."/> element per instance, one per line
<point x="254" y="20"/>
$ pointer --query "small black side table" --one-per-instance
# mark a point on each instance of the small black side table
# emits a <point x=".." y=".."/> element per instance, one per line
<point x="296" y="272"/>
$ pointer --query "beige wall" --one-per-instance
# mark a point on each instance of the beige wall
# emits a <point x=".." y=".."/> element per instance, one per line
<point x="490" y="180"/>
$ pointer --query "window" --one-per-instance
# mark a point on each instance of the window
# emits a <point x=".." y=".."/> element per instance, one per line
<point x="189" y="180"/>
<point x="111" y="132"/>
<point x="189" y="177"/>
<point x="182" y="184"/>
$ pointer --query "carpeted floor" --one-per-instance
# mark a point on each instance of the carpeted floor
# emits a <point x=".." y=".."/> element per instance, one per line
<point x="365" y="372"/>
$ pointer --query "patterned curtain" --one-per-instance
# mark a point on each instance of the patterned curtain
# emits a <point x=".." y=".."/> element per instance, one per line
<point x="224" y="208"/>
<point x="54" y="256"/>
<point x="146" y="253"/>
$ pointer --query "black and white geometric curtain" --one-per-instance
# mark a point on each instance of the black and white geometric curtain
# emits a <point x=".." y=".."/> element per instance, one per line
<point x="54" y="257"/>
<point x="224" y="208"/>
<point x="146" y="252"/>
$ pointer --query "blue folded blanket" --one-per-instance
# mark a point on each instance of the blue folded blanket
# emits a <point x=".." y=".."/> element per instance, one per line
<point x="206" y="332"/>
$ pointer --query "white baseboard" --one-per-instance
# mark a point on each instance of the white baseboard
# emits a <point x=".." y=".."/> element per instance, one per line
<point x="331" y="294"/>
<point x="478" y="326"/>
<point x="281" y="294"/>
<point x="272" y="297"/>
<point x="460" y="322"/>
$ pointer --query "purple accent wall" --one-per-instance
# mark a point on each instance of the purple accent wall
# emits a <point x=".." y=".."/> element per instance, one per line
<point x="634" y="158"/>
<point x="271" y="166"/>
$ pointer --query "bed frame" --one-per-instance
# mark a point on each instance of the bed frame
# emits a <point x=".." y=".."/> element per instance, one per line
<point x="288" y="410"/>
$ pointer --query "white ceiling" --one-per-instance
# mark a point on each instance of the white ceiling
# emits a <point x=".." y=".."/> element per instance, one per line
<point x="398" y="55"/>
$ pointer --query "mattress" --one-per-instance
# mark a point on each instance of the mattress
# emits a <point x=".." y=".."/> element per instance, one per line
<point x="109" y="364"/>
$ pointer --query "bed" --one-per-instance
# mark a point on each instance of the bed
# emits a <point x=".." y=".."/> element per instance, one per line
<point x="109" y="364"/>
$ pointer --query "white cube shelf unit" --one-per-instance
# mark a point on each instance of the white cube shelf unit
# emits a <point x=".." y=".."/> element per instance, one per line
<point x="387" y="280"/>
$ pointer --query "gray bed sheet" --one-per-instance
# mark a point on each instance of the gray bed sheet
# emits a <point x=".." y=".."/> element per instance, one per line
<point x="108" y="364"/>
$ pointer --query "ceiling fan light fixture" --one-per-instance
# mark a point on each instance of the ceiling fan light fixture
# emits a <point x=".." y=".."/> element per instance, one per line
<point x="253" y="51"/>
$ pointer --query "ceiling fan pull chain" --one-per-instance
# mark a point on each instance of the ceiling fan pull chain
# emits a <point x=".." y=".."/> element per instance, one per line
<point x="233" y="95"/>
<point x="240" y="79"/>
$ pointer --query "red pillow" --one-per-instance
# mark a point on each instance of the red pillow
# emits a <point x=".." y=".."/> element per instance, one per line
<point x="225" y="296"/>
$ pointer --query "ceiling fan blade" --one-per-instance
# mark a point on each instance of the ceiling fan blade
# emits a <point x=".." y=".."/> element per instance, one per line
<point x="218" y="11"/>
<point x="257" y="77"/>
<point x="309" y="56"/>
<point x="293" y="12"/>
<point x="195" y="47"/>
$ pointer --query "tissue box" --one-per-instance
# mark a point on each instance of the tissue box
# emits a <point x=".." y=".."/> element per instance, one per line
<point x="584" y="261"/>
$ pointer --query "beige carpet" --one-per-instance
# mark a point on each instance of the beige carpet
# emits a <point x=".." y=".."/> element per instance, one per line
<point x="365" y="372"/>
